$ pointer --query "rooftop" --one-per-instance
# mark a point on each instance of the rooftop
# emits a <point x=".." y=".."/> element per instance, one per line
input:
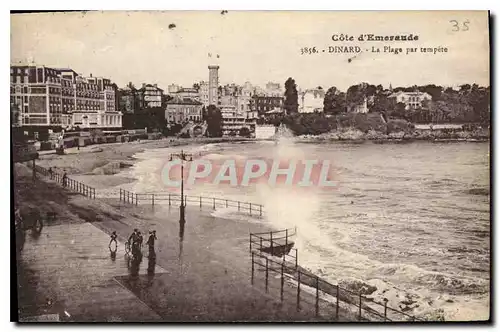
<point x="183" y="101"/>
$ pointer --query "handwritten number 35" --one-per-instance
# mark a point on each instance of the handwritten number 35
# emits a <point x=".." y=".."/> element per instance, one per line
<point x="456" y="25"/>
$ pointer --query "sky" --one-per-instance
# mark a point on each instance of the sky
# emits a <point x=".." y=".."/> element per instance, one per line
<point x="258" y="46"/>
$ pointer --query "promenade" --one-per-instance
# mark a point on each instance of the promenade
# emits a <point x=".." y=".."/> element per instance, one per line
<point x="68" y="271"/>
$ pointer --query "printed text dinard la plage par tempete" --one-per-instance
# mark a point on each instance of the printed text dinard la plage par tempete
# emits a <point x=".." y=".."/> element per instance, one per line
<point x="361" y="43"/>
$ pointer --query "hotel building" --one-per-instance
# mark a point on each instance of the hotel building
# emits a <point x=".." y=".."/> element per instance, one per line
<point x="59" y="97"/>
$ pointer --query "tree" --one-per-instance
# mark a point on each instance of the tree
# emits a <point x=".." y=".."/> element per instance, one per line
<point x="399" y="111"/>
<point x="356" y="94"/>
<point x="334" y="102"/>
<point x="245" y="132"/>
<point x="382" y="104"/>
<point x="213" y="118"/>
<point x="291" y="97"/>
<point x="434" y="90"/>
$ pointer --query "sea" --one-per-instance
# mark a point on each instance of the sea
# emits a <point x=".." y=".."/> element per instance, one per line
<point x="410" y="219"/>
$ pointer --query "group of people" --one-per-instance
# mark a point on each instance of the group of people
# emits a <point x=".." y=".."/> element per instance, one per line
<point x="135" y="241"/>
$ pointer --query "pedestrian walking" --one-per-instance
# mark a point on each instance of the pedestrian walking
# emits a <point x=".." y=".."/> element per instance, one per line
<point x="113" y="239"/>
<point x="133" y="237"/>
<point x="151" y="242"/>
<point x="135" y="243"/>
<point x="64" y="179"/>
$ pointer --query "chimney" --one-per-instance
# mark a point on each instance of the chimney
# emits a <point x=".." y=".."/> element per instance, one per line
<point x="155" y="85"/>
<point x="90" y="75"/>
<point x="143" y="85"/>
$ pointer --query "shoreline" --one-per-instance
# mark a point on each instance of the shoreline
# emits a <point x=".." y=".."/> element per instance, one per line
<point x="97" y="162"/>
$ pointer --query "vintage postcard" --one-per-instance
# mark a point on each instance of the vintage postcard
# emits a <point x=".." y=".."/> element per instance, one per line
<point x="251" y="166"/>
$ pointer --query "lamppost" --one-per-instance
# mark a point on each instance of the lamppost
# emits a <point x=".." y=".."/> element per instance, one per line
<point x="183" y="157"/>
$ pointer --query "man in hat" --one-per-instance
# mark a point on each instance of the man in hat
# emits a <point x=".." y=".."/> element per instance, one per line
<point x="133" y="239"/>
<point x="151" y="242"/>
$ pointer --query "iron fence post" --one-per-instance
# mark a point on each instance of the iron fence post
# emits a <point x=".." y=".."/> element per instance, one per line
<point x="272" y="250"/>
<point x="250" y="208"/>
<point x="135" y="199"/>
<point x="260" y="247"/>
<point x="267" y="272"/>
<point x="260" y="210"/>
<point x="238" y="206"/>
<point x="282" y="282"/>
<point x="200" y="202"/>
<point x="252" y="267"/>
<point x="385" y="310"/>
<point x="317" y="295"/>
<point x="227" y="203"/>
<point x="338" y="300"/>
<point x="153" y="199"/>
<point x="360" y="299"/>
<point x="298" y="291"/>
<point x="169" y="200"/>
<point x="214" y="203"/>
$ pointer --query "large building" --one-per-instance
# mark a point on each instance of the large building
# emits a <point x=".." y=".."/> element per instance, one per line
<point x="204" y="87"/>
<point x="311" y="101"/>
<point x="128" y="100"/>
<point x="190" y="93"/>
<point x="150" y="95"/>
<point x="181" y="110"/>
<point x="233" y="121"/>
<point x="173" y="88"/>
<point x="411" y="99"/>
<point x="47" y="97"/>
<point x="265" y="104"/>
<point x="213" y="85"/>
<point x="273" y="90"/>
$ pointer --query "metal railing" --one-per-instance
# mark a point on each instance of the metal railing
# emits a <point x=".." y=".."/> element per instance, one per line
<point x="276" y="243"/>
<point x="213" y="202"/>
<point x="67" y="183"/>
<point x="365" y="308"/>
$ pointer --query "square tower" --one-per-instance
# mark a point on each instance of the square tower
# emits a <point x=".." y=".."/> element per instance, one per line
<point x="213" y="85"/>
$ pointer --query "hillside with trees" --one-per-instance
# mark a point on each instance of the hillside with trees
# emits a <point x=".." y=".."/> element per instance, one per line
<point x="470" y="104"/>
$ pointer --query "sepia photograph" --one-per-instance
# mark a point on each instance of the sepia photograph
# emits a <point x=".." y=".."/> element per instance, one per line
<point x="250" y="166"/>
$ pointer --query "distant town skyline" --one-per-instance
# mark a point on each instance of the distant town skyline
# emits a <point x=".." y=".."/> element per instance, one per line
<point x="259" y="47"/>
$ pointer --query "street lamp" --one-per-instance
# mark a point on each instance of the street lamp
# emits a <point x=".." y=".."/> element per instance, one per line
<point x="183" y="157"/>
